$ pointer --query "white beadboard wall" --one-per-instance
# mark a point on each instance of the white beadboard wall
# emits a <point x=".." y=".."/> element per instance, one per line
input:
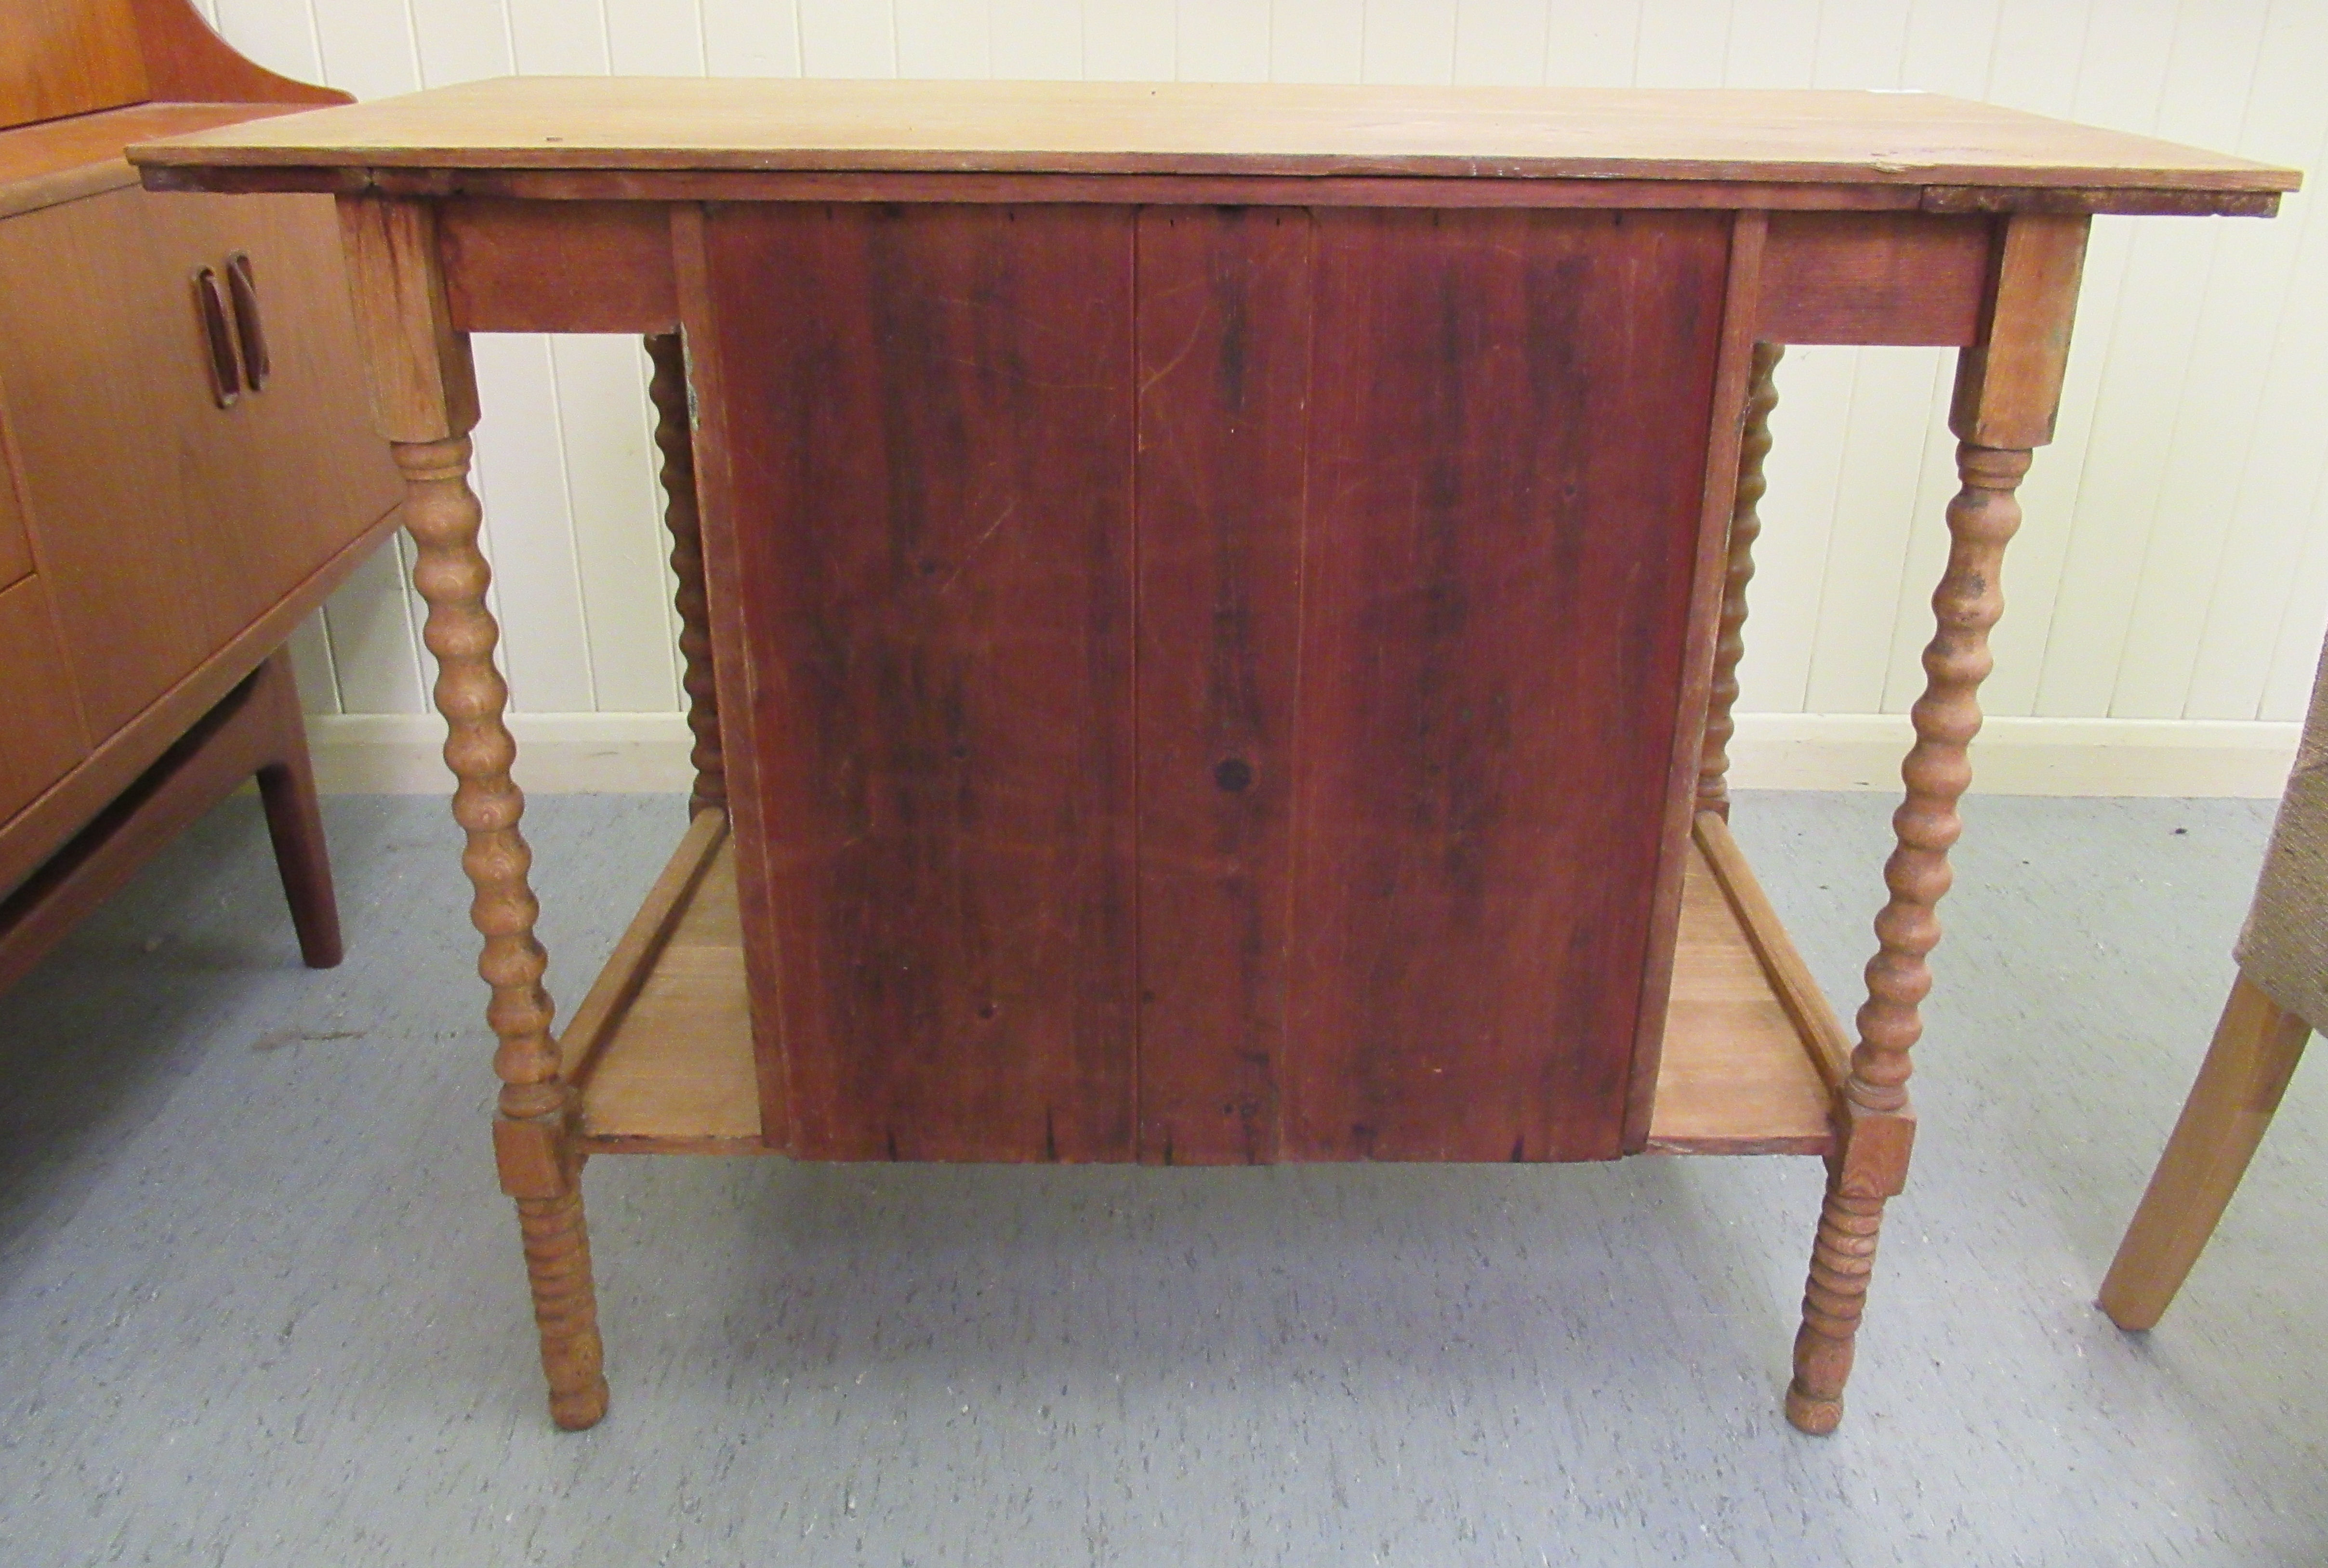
<point x="2166" y="597"/>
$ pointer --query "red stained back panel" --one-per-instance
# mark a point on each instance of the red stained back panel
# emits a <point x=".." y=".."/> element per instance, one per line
<point x="930" y="423"/>
<point x="1287" y="788"/>
<point x="1224" y="349"/>
<point x="1505" y="468"/>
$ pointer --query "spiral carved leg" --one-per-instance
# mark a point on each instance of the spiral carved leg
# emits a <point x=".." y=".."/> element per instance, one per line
<point x="674" y="436"/>
<point x="1878" y="1126"/>
<point x="1745" y="527"/>
<point x="565" y="1306"/>
<point x="534" y="1131"/>
<point x="1841" y="1261"/>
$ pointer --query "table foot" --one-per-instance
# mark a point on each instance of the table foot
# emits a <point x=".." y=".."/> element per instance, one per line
<point x="1841" y="1261"/>
<point x="565" y="1307"/>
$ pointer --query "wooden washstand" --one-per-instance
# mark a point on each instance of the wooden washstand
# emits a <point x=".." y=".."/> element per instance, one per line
<point x="1211" y="613"/>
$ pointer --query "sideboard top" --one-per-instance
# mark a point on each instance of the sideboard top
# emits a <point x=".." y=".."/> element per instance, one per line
<point x="692" y="124"/>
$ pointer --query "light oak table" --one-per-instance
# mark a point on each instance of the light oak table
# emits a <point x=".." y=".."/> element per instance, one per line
<point x="1211" y="613"/>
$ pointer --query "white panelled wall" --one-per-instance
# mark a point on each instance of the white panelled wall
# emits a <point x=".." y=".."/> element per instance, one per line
<point x="2165" y="599"/>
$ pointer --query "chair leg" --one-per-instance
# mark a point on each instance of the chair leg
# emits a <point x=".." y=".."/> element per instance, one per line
<point x="2257" y="1046"/>
<point x="295" y="821"/>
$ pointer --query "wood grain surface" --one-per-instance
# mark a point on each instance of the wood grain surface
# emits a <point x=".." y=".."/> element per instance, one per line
<point x="931" y="444"/>
<point x="601" y="123"/>
<point x="67" y="57"/>
<point x="1226" y="308"/>
<point x="198" y="519"/>
<point x="1736" y="1075"/>
<point x="1508" y="456"/>
<point x="70" y="158"/>
<point x="45" y="735"/>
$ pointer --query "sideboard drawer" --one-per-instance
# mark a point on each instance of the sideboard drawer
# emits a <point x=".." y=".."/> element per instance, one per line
<point x="44" y="737"/>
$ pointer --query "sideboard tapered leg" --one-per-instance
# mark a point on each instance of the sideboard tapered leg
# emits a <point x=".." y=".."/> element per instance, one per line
<point x="1878" y="1126"/>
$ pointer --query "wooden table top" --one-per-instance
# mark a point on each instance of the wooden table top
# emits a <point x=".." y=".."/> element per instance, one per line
<point x="691" y="123"/>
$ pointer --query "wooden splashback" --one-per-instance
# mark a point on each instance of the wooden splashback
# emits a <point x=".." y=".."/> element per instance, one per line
<point x="62" y="58"/>
<point x="68" y="57"/>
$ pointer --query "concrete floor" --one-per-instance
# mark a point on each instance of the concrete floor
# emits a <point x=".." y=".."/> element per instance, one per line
<point x="259" y="1302"/>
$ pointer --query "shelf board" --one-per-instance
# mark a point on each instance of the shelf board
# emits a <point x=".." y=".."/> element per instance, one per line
<point x="1752" y="1053"/>
<point x="662" y="1047"/>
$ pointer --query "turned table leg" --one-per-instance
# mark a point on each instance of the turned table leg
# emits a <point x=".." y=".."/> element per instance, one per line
<point x="533" y="1134"/>
<point x="1745" y="527"/>
<point x="674" y="435"/>
<point x="1879" y="1124"/>
<point x="2008" y="386"/>
<point x="424" y="399"/>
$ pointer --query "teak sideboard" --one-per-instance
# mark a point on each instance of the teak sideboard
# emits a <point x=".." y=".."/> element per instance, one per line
<point x="186" y="466"/>
<point x="1211" y="614"/>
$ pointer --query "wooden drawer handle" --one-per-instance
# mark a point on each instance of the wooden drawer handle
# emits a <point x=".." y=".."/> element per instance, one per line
<point x="226" y="374"/>
<point x="244" y="289"/>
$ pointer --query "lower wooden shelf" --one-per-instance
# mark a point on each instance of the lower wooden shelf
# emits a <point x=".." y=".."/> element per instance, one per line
<point x="662" y="1047"/>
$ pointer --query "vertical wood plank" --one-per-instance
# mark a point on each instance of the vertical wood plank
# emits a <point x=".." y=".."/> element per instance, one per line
<point x="522" y="479"/>
<point x="1803" y="472"/>
<point x="752" y="37"/>
<point x="1948" y="48"/>
<point x="1317" y="40"/>
<point x="1884" y="445"/>
<point x="1721" y="476"/>
<point x="1408" y="40"/>
<point x="1681" y="44"/>
<point x="282" y="38"/>
<point x="367" y="47"/>
<point x="848" y="38"/>
<point x="613" y="507"/>
<point x="1127" y="40"/>
<point x="655" y="38"/>
<point x="929" y="472"/>
<point x="1473" y="849"/>
<point x="311" y="665"/>
<point x="1501" y="45"/>
<point x="374" y="645"/>
<point x="938" y="39"/>
<point x="1039" y="40"/>
<point x="2286" y="375"/>
<point x="1772" y="43"/>
<point x="1926" y="556"/>
<point x="2040" y="47"/>
<point x="1860" y="45"/>
<point x="1223" y="41"/>
<point x="2214" y="71"/>
<point x="560" y="37"/>
<point x="462" y="40"/>
<point x="2287" y="688"/>
<point x="1223" y="358"/>
<point x="1592" y="45"/>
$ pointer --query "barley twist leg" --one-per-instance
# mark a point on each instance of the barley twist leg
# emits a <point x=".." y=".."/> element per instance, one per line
<point x="1745" y="527"/>
<point x="1878" y="1126"/>
<point x="533" y="1134"/>
<point x="674" y="436"/>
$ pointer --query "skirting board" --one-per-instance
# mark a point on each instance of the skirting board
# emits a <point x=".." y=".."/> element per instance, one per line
<point x="636" y="753"/>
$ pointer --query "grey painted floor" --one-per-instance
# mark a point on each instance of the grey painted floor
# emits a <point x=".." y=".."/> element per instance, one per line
<point x="259" y="1302"/>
